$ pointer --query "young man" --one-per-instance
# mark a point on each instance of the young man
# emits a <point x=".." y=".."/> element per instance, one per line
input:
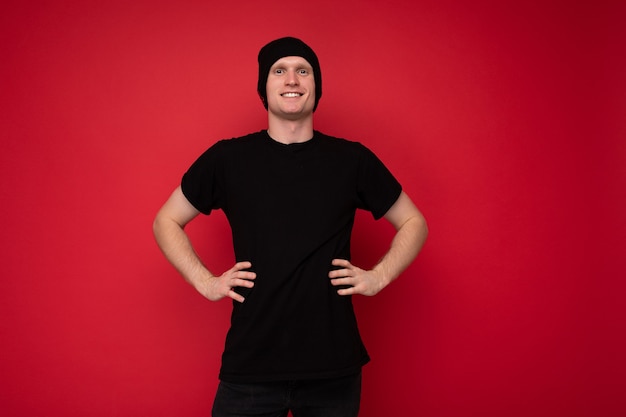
<point x="290" y="195"/>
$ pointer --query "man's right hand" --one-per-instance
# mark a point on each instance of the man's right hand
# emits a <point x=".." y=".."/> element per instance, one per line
<point x="169" y="232"/>
<point x="215" y="288"/>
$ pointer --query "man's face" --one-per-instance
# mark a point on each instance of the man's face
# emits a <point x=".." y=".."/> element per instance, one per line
<point x="291" y="88"/>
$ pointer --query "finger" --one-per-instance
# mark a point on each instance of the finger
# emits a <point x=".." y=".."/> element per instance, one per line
<point x="244" y="275"/>
<point x="347" y="291"/>
<point x="342" y="281"/>
<point x="241" y="265"/>
<point x="344" y="291"/>
<point x="338" y="273"/>
<point x="341" y="262"/>
<point x="235" y="296"/>
<point x="242" y="283"/>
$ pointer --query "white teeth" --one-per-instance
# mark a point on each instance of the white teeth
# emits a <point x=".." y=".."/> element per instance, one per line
<point x="291" y="95"/>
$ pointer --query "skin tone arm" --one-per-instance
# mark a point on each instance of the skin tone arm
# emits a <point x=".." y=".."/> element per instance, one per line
<point x="411" y="232"/>
<point x="170" y="235"/>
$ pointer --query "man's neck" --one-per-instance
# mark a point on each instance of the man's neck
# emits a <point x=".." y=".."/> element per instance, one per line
<point x="290" y="131"/>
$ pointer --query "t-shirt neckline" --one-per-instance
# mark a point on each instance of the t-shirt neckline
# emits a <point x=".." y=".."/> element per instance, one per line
<point x="297" y="146"/>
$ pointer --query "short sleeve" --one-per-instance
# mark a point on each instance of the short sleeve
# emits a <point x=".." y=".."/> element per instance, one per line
<point x="377" y="188"/>
<point x="201" y="183"/>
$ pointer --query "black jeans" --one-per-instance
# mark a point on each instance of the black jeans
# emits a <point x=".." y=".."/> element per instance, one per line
<point x="338" y="397"/>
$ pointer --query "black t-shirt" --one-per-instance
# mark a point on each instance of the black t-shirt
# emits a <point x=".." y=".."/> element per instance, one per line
<point x="291" y="209"/>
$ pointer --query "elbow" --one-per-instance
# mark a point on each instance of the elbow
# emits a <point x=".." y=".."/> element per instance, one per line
<point x="158" y="225"/>
<point x="422" y="228"/>
<point x="423" y="225"/>
<point x="417" y="227"/>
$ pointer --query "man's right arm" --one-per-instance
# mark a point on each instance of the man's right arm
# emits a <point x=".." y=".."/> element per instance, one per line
<point x="168" y="227"/>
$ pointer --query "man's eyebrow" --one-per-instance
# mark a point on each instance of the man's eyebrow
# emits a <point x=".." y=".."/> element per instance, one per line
<point x="296" y="65"/>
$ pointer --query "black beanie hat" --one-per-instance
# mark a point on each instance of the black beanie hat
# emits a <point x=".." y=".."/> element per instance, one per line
<point x="281" y="48"/>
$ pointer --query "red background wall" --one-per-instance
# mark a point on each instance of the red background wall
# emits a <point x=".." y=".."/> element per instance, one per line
<point x="504" y="122"/>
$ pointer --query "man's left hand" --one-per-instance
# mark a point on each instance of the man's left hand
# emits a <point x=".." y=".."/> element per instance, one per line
<point x="357" y="280"/>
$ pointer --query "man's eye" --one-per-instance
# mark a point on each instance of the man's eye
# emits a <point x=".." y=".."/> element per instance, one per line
<point x="304" y="72"/>
<point x="278" y="71"/>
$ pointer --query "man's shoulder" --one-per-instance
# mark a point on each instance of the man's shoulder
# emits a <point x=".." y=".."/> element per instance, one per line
<point x="245" y="139"/>
<point x="336" y="140"/>
<point x="238" y="143"/>
<point x="340" y="144"/>
<point x="226" y="149"/>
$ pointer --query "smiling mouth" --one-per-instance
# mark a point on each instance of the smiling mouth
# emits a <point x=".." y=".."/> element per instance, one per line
<point x="291" y="95"/>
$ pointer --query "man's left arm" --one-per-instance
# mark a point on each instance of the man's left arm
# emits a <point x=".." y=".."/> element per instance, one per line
<point x="411" y="232"/>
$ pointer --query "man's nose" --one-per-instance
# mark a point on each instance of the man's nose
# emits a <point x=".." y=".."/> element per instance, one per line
<point x="292" y="78"/>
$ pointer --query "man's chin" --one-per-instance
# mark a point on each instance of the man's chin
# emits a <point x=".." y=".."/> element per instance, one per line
<point x="292" y="114"/>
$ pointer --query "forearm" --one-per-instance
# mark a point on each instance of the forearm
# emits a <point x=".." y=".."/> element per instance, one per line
<point x="405" y="246"/>
<point x="178" y="250"/>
